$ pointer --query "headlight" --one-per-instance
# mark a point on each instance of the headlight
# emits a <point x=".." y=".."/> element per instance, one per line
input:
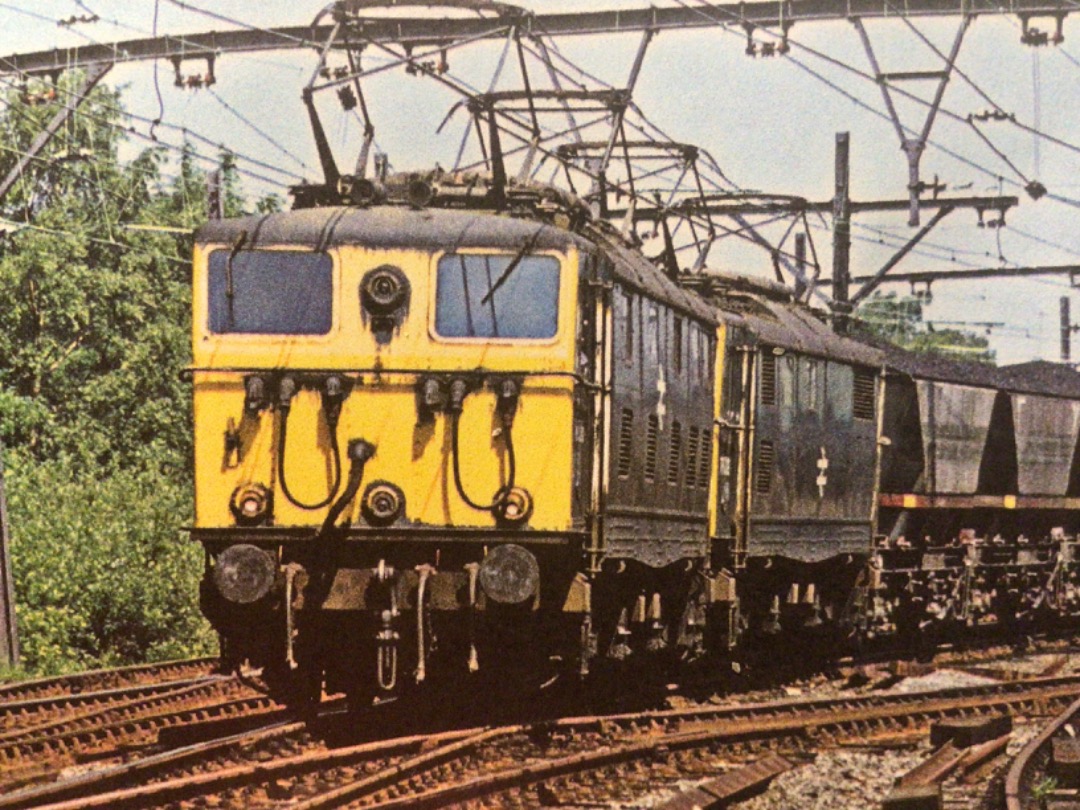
<point x="514" y="506"/>
<point x="382" y="504"/>
<point x="509" y="574"/>
<point x="244" y="573"/>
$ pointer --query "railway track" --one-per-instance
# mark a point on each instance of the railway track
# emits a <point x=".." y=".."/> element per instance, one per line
<point x="100" y="680"/>
<point x="37" y="752"/>
<point x="583" y="759"/>
<point x="18" y="717"/>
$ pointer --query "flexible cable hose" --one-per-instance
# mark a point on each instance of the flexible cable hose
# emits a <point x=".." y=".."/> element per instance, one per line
<point x="335" y="451"/>
<point x="356" y="475"/>
<point x="508" y="439"/>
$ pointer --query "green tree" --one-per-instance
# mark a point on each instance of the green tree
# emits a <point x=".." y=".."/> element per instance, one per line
<point x="899" y="320"/>
<point x="97" y="318"/>
<point x="95" y="263"/>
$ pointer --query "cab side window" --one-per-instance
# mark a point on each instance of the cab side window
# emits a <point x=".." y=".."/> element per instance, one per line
<point x="270" y="292"/>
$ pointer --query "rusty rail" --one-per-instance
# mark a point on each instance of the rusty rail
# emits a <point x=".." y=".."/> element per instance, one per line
<point x="35" y="753"/>
<point x="100" y="679"/>
<point x="19" y="717"/>
<point x="1020" y="773"/>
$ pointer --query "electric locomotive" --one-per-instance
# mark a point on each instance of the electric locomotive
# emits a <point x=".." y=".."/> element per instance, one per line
<point x="460" y="426"/>
<point x="797" y="423"/>
<point x="437" y="435"/>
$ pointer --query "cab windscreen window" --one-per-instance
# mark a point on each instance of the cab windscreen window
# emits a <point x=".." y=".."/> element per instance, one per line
<point x="497" y="296"/>
<point x="270" y="292"/>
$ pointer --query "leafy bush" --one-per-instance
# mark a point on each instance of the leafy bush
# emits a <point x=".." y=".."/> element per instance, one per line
<point x="103" y="574"/>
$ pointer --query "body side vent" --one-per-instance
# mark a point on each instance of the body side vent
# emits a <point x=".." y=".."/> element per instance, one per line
<point x="862" y="393"/>
<point x="652" y="438"/>
<point x="626" y="443"/>
<point x="676" y="453"/>
<point x="705" y="459"/>
<point x="763" y="475"/>
<point x="693" y="439"/>
<point x="768" y="378"/>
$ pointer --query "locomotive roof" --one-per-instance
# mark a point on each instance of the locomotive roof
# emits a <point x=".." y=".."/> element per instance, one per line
<point x="777" y="321"/>
<point x="633" y="269"/>
<point x="773" y="318"/>
<point x="386" y="226"/>
<point x="799" y="329"/>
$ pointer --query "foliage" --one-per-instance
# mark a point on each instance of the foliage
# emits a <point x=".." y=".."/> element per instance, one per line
<point x="899" y="320"/>
<point x="103" y="574"/>
<point x="94" y="417"/>
<point x="1043" y="788"/>
<point x="97" y="318"/>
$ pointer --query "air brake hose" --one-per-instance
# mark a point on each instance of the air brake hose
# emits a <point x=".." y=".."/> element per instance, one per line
<point x="359" y="452"/>
<point x="331" y="412"/>
<point x="508" y="439"/>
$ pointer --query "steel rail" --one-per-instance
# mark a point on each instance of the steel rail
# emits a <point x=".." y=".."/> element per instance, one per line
<point x="98" y="679"/>
<point x="17" y="717"/>
<point x="205" y="783"/>
<point x="430" y="30"/>
<point x="98" y="782"/>
<point x="811" y="721"/>
<point x="158" y="766"/>
<point x="29" y="757"/>
<point x="1017" y="779"/>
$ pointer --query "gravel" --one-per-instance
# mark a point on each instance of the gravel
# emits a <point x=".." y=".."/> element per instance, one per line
<point x="856" y="778"/>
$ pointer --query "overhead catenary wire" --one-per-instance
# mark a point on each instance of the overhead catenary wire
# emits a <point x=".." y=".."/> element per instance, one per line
<point x="1043" y="241"/>
<point x="645" y="126"/>
<point x="180" y="38"/>
<point x="466" y="89"/>
<point x="1034" y="128"/>
<point x="124" y="201"/>
<point x="186" y="133"/>
<point x="131" y="130"/>
<point x="930" y="141"/>
<point x="108" y="242"/>
<point x="233" y="21"/>
<point x="159" y="120"/>
<point x="45" y="18"/>
<point x="257" y="129"/>
<point x="240" y="23"/>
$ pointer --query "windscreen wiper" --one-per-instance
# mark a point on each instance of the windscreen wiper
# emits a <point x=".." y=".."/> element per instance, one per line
<point x="510" y="268"/>
<point x="230" y="291"/>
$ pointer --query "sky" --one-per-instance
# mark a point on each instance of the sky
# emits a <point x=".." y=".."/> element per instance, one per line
<point x="770" y="123"/>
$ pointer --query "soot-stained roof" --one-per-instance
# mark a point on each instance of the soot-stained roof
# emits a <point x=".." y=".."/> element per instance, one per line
<point x="386" y="226"/>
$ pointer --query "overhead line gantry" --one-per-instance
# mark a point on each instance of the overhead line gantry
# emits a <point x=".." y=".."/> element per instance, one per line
<point x="429" y="31"/>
